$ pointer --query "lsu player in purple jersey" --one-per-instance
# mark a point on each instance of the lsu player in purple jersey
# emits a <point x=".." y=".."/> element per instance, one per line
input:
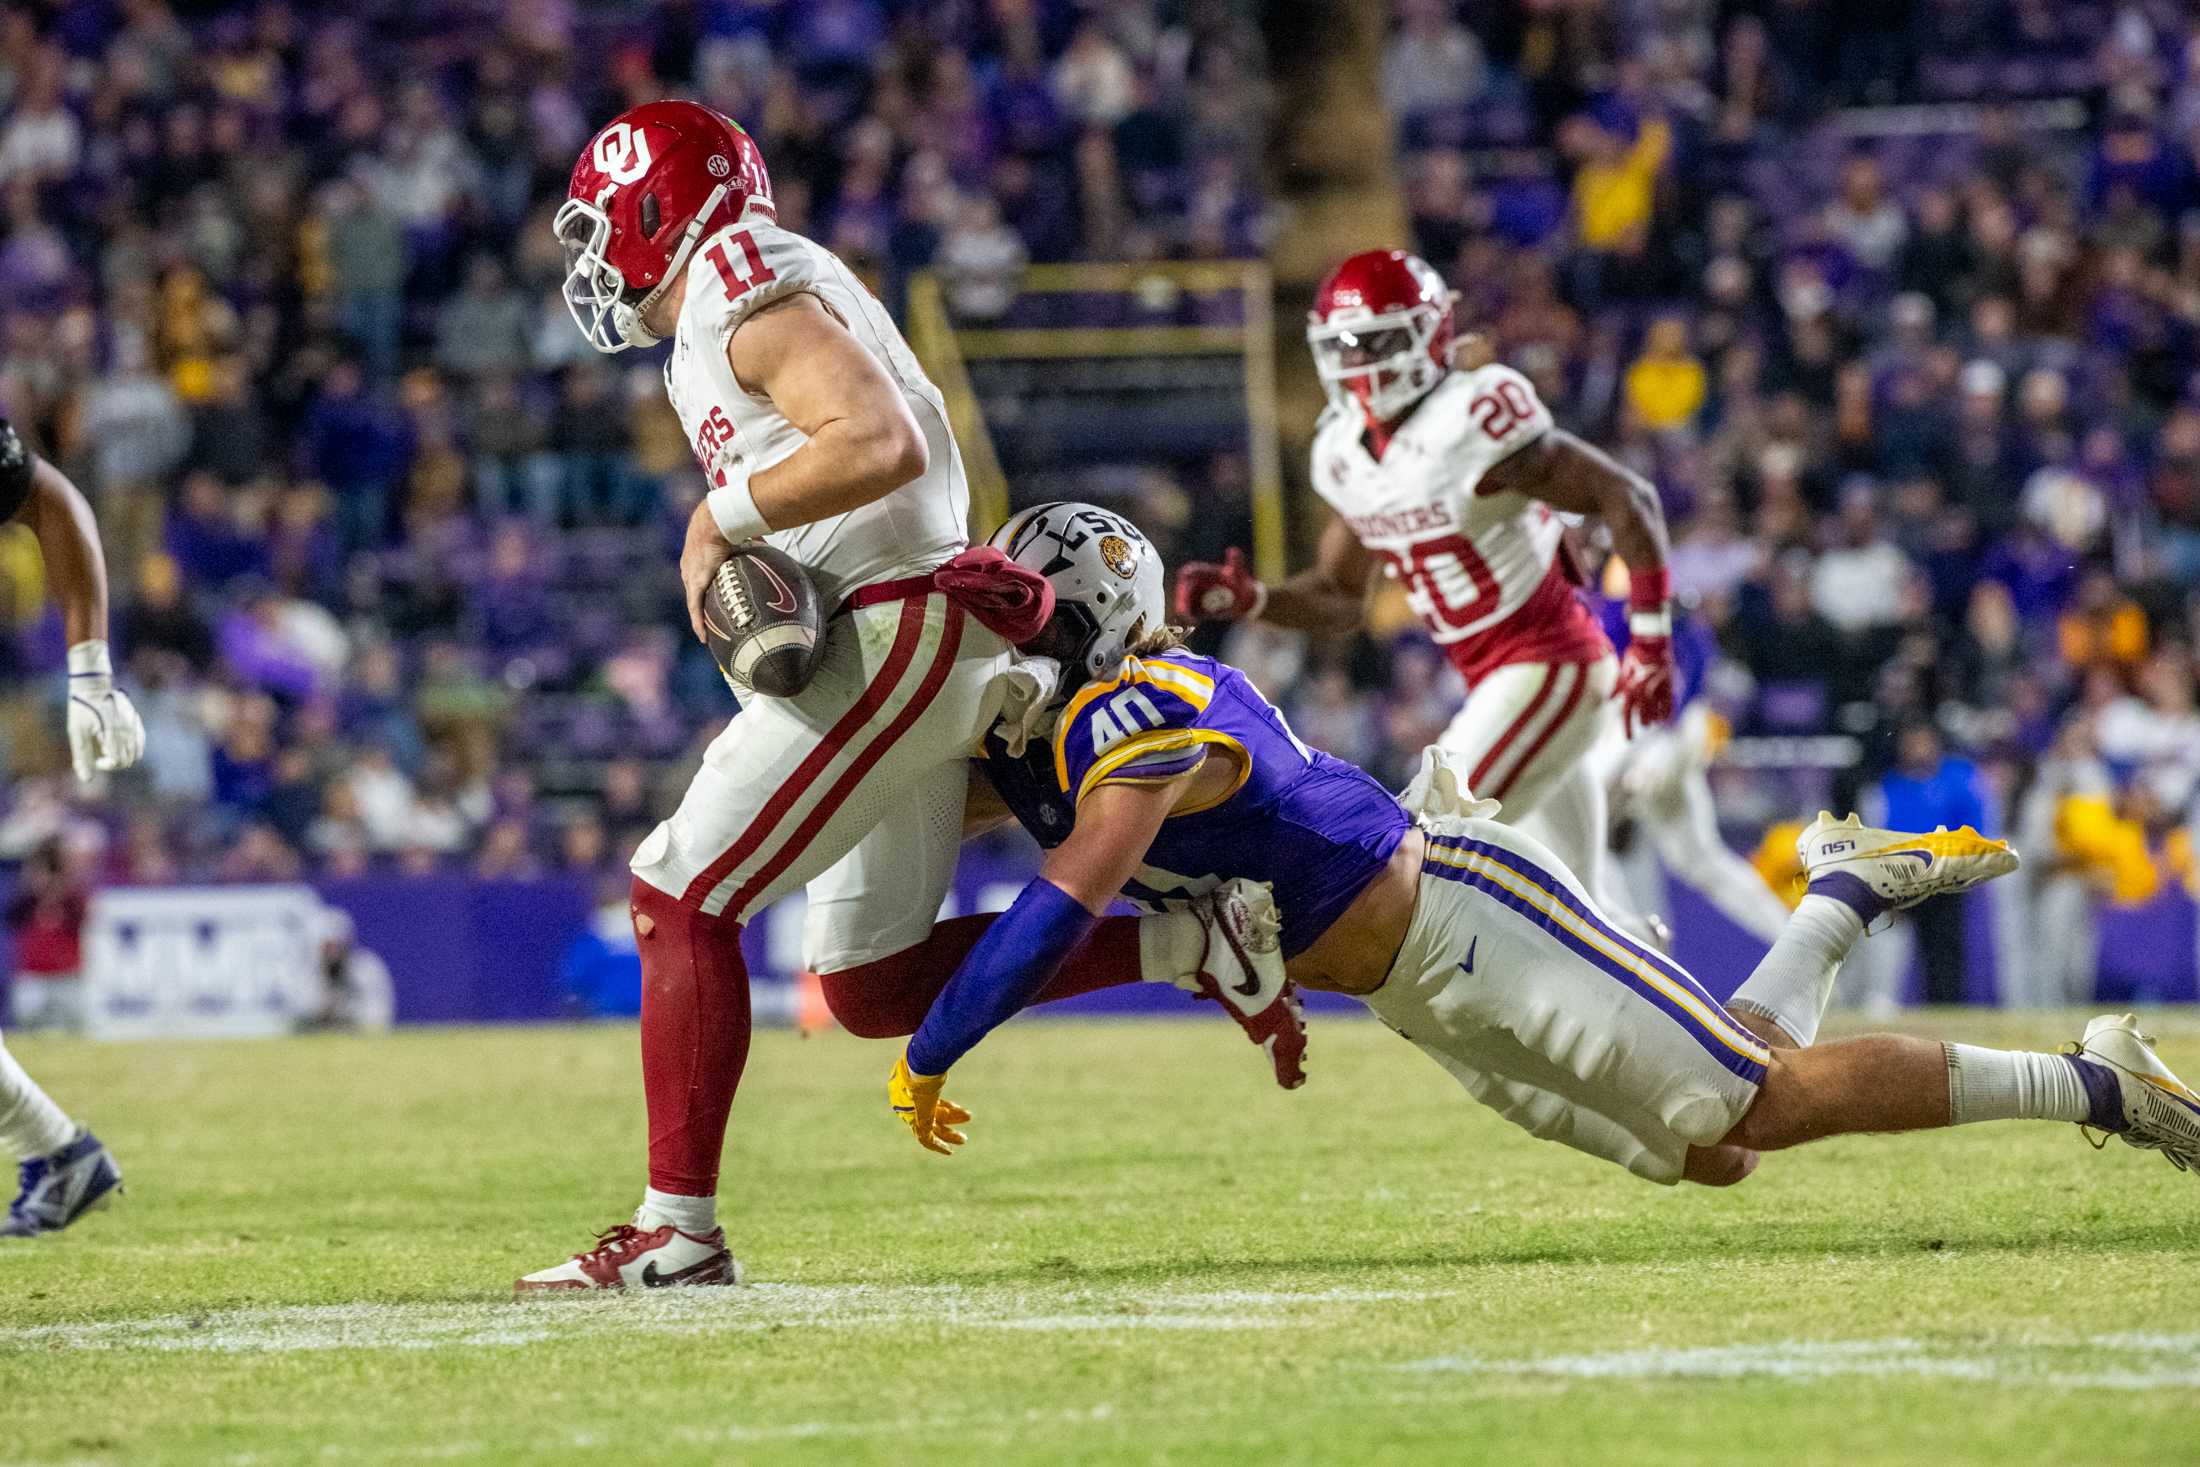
<point x="1167" y="774"/>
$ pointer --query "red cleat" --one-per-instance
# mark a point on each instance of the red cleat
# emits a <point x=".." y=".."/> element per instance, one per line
<point x="628" y="1257"/>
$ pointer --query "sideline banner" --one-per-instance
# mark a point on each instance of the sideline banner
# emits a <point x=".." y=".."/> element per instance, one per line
<point x="222" y="962"/>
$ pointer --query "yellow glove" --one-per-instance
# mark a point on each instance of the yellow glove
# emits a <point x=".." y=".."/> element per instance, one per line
<point x="916" y="1099"/>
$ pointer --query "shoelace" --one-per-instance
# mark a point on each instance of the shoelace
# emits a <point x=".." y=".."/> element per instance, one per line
<point x="615" y="1242"/>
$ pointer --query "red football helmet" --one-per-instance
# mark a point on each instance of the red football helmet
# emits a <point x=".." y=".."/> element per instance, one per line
<point x="648" y="188"/>
<point x="1381" y="332"/>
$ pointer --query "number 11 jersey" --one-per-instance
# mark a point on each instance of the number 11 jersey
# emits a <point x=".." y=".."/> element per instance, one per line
<point x="1483" y="570"/>
<point x="736" y="273"/>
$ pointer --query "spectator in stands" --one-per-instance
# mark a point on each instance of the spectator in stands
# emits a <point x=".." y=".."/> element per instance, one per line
<point x="1666" y="384"/>
<point x="1859" y="579"/>
<point x="1868" y="224"/>
<point x="1433" y="63"/>
<point x="1927" y="788"/>
<point x="981" y="258"/>
<point x="357" y="996"/>
<point x="360" y="444"/>
<point x="1614" y="189"/>
<point x="45" y="918"/>
<point x="483" y="328"/>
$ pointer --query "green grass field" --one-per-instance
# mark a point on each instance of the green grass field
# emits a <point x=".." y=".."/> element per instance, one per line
<point x="1147" y="1253"/>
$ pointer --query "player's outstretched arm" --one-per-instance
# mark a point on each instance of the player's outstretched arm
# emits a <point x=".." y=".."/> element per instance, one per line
<point x="68" y="540"/>
<point x="1329" y="596"/>
<point x="863" y="444"/>
<point x="104" y="731"/>
<point x="1025" y="948"/>
<point x="1567" y="473"/>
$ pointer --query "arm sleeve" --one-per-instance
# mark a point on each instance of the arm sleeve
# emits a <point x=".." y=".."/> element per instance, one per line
<point x="1023" y="948"/>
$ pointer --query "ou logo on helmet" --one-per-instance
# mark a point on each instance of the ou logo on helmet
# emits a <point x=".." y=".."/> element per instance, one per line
<point x="622" y="153"/>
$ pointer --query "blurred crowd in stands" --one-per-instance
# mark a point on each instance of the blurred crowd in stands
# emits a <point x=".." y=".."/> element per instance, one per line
<point x="392" y="547"/>
<point x="1896" y="301"/>
<point x="1898" y="304"/>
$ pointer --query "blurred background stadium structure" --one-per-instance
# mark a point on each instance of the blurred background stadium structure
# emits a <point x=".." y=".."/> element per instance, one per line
<point x="1896" y="301"/>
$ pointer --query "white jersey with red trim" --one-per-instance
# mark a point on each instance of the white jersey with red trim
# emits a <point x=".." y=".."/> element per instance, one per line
<point x="736" y="272"/>
<point x="1482" y="570"/>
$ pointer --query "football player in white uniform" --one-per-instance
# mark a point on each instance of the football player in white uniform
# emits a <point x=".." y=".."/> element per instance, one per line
<point x="1471" y="940"/>
<point x="1452" y="481"/>
<point x="819" y="433"/>
<point x="64" y="1169"/>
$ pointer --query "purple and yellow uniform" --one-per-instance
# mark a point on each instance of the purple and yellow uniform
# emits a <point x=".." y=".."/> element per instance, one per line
<point x="1508" y="975"/>
<point x="1313" y="827"/>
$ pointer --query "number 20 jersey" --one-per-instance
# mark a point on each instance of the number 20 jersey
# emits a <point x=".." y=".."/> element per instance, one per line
<point x="1483" y="571"/>
<point x="731" y="276"/>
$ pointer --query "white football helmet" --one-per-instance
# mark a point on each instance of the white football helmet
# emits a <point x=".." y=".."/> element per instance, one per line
<point x="1107" y="581"/>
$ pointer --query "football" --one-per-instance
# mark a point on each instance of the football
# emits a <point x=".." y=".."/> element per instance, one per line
<point x="763" y="622"/>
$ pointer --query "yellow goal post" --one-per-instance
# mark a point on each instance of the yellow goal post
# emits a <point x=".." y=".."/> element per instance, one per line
<point x="1244" y="292"/>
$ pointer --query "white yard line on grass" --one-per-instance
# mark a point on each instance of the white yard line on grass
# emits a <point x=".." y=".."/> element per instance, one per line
<point x="727" y="1434"/>
<point x="2127" y="1362"/>
<point x="760" y="1307"/>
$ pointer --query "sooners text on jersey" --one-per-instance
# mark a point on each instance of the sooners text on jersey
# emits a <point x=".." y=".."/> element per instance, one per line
<point x="1482" y="570"/>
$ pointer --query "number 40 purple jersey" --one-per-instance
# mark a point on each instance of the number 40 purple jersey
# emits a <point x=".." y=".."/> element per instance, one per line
<point x="1312" y="826"/>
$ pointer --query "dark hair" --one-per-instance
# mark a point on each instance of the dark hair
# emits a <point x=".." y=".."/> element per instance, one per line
<point x="16" y="465"/>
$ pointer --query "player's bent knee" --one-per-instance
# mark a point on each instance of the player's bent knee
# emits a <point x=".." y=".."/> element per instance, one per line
<point x="875" y="1000"/>
<point x="866" y="1020"/>
<point x="1719" y="1166"/>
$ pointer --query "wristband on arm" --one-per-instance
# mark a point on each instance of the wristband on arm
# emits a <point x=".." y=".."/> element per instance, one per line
<point x="1023" y="948"/>
<point x="733" y="507"/>
<point x="1648" y="593"/>
<point x="89" y="658"/>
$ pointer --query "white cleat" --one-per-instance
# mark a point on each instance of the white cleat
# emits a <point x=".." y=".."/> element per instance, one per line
<point x="1242" y="969"/>
<point x="629" y="1257"/>
<point x="1899" y="868"/>
<point x="2161" y="1113"/>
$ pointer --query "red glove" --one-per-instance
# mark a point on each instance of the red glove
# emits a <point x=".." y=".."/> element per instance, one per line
<point x="1226" y="592"/>
<point x="1647" y="674"/>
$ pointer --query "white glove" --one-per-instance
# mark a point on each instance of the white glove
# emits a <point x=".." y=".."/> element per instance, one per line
<point x="105" y="732"/>
<point x="1028" y="709"/>
<point x="1439" y="792"/>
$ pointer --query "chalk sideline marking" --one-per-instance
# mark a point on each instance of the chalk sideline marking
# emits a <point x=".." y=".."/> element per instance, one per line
<point x="758" y="1307"/>
<point x="2124" y="1362"/>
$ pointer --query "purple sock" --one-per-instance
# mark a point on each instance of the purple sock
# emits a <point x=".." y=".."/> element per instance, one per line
<point x="1851" y="892"/>
<point x="2104" y="1095"/>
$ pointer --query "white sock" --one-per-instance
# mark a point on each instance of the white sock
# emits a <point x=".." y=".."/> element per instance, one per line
<point x="1794" y="983"/>
<point x="2012" y="1085"/>
<point x="696" y="1215"/>
<point x="1170" y="946"/>
<point x="30" y="1123"/>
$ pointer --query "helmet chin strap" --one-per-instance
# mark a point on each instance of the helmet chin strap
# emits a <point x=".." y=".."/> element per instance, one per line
<point x="629" y="318"/>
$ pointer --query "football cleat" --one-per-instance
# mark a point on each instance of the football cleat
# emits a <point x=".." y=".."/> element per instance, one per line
<point x="629" y="1257"/>
<point x="1901" y="869"/>
<point x="2161" y="1113"/>
<point x="1242" y="969"/>
<point x="62" y="1186"/>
